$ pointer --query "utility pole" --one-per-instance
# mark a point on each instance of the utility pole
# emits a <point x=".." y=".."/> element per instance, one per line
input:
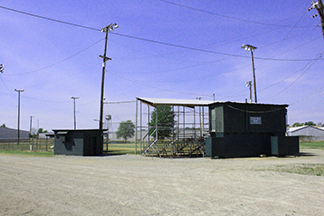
<point x="252" y="48"/>
<point x="31" y="126"/>
<point x="320" y="9"/>
<point x="199" y="98"/>
<point x="249" y="84"/>
<point x="19" y="91"/>
<point x="74" y="111"/>
<point x="106" y="29"/>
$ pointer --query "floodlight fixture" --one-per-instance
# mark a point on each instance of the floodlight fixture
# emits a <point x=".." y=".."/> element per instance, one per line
<point x="248" y="47"/>
<point x="1" y="68"/>
<point x="110" y="27"/>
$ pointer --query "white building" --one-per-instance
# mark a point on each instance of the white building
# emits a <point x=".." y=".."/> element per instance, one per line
<point x="307" y="133"/>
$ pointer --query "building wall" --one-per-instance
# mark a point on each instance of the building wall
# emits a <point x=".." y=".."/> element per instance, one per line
<point x="78" y="142"/>
<point x="245" y="129"/>
<point x="307" y="133"/>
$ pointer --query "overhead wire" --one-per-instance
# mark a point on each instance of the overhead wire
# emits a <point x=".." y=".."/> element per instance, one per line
<point x="226" y="16"/>
<point x="6" y="86"/>
<point x="148" y="40"/>
<point x="153" y="41"/>
<point x="49" y="19"/>
<point x="304" y="98"/>
<point x="59" y="62"/>
<point x="319" y="56"/>
<point x="315" y="59"/>
<point x="153" y="87"/>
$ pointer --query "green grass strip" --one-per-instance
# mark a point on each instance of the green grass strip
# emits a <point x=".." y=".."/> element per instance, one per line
<point x="27" y="153"/>
<point x="312" y="145"/>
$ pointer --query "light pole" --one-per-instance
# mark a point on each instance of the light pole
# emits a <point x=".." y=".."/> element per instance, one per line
<point x="106" y="29"/>
<point x="19" y="91"/>
<point x="31" y="126"/>
<point x="201" y="129"/>
<point x="252" y="48"/>
<point x="74" y="111"/>
<point x="249" y="84"/>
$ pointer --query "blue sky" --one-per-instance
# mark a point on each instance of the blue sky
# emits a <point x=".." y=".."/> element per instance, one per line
<point x="162" y="49"/>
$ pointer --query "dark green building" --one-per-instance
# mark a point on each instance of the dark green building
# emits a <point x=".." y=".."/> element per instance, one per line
<point x="248" y="129"/>
<point x="78" y="142"/>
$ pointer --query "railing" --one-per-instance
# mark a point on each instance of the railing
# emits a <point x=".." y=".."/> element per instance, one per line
<point x="27" y="145"/>
<point x="153" y="148"/>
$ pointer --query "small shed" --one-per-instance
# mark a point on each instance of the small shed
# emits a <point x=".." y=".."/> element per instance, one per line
<point x="248" y="130"/>
<point x="78" y="142"/>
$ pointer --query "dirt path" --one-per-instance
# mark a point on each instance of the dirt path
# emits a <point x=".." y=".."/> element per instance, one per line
<point x="136" y="185"/>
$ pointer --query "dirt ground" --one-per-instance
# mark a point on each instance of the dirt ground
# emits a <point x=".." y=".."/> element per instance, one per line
<point x="136" y="185"/>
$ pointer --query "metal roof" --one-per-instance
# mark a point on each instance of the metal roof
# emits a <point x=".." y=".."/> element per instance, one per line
<point x="293" y="129"/>
<point x="190" y="103"/>
<point x="174" y="102"/>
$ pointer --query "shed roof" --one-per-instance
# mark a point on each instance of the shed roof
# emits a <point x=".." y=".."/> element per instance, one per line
<point x="190" y="103"/>
<point x="293" y="129"/>
<point x="174" y="102"/>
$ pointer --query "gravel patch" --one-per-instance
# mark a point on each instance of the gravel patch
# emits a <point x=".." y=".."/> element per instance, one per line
<point x="136" y="185"/>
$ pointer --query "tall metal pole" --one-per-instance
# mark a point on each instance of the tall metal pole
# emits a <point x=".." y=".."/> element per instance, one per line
<point x="103" y="82"/>
<point x="74" y="111"/>
<point x="19" y="91"/>
<point x="252" y="48"/>
<point x="31" y="126"/>
<point x="254" y="84"/>
<point x="200" y="128"/>
<point x="136" y="117"/>
<point x="249" y="84"/>
<point x="108" y="28"/>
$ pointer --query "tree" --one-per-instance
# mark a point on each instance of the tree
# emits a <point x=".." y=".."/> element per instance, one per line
<point x="297" y="124"/>
<point x="126" y="130"/>
<point x="310" y="123"/>
<point x="165" y="119"/>
<point x="41" y="130"/>
<point x="3" y="125"/>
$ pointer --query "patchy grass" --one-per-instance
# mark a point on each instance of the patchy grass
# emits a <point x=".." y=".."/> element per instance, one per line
<point x="312" y="145"/>
<point x="27" y="153"/>
<point x="122" y="148"/>
<point x="302" y="169"/>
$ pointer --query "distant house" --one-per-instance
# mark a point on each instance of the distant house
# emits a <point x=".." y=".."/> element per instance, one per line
<point x="307" y="133"/>
<point x="9" y="133"/>
<point x="48" y="135"/>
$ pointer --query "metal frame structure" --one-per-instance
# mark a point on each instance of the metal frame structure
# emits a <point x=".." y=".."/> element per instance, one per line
<point x="184" y="139"/>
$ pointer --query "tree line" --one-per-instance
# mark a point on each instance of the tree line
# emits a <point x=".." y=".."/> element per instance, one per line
<point x="309" y="123"/>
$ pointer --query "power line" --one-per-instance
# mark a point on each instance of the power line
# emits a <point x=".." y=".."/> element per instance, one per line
<point x="320" y="56"/>
<point x="120" y="102"/>
<point x="307" y="96"/>
<point x="314" y="60"/>
<point x="149" y="40"/>
<point x="50" y="19"/>
<point x="226" y="16"/>
<point x="59" y="62"/>
<point x="141" y="84"/>
<point x="206" y="51"/>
